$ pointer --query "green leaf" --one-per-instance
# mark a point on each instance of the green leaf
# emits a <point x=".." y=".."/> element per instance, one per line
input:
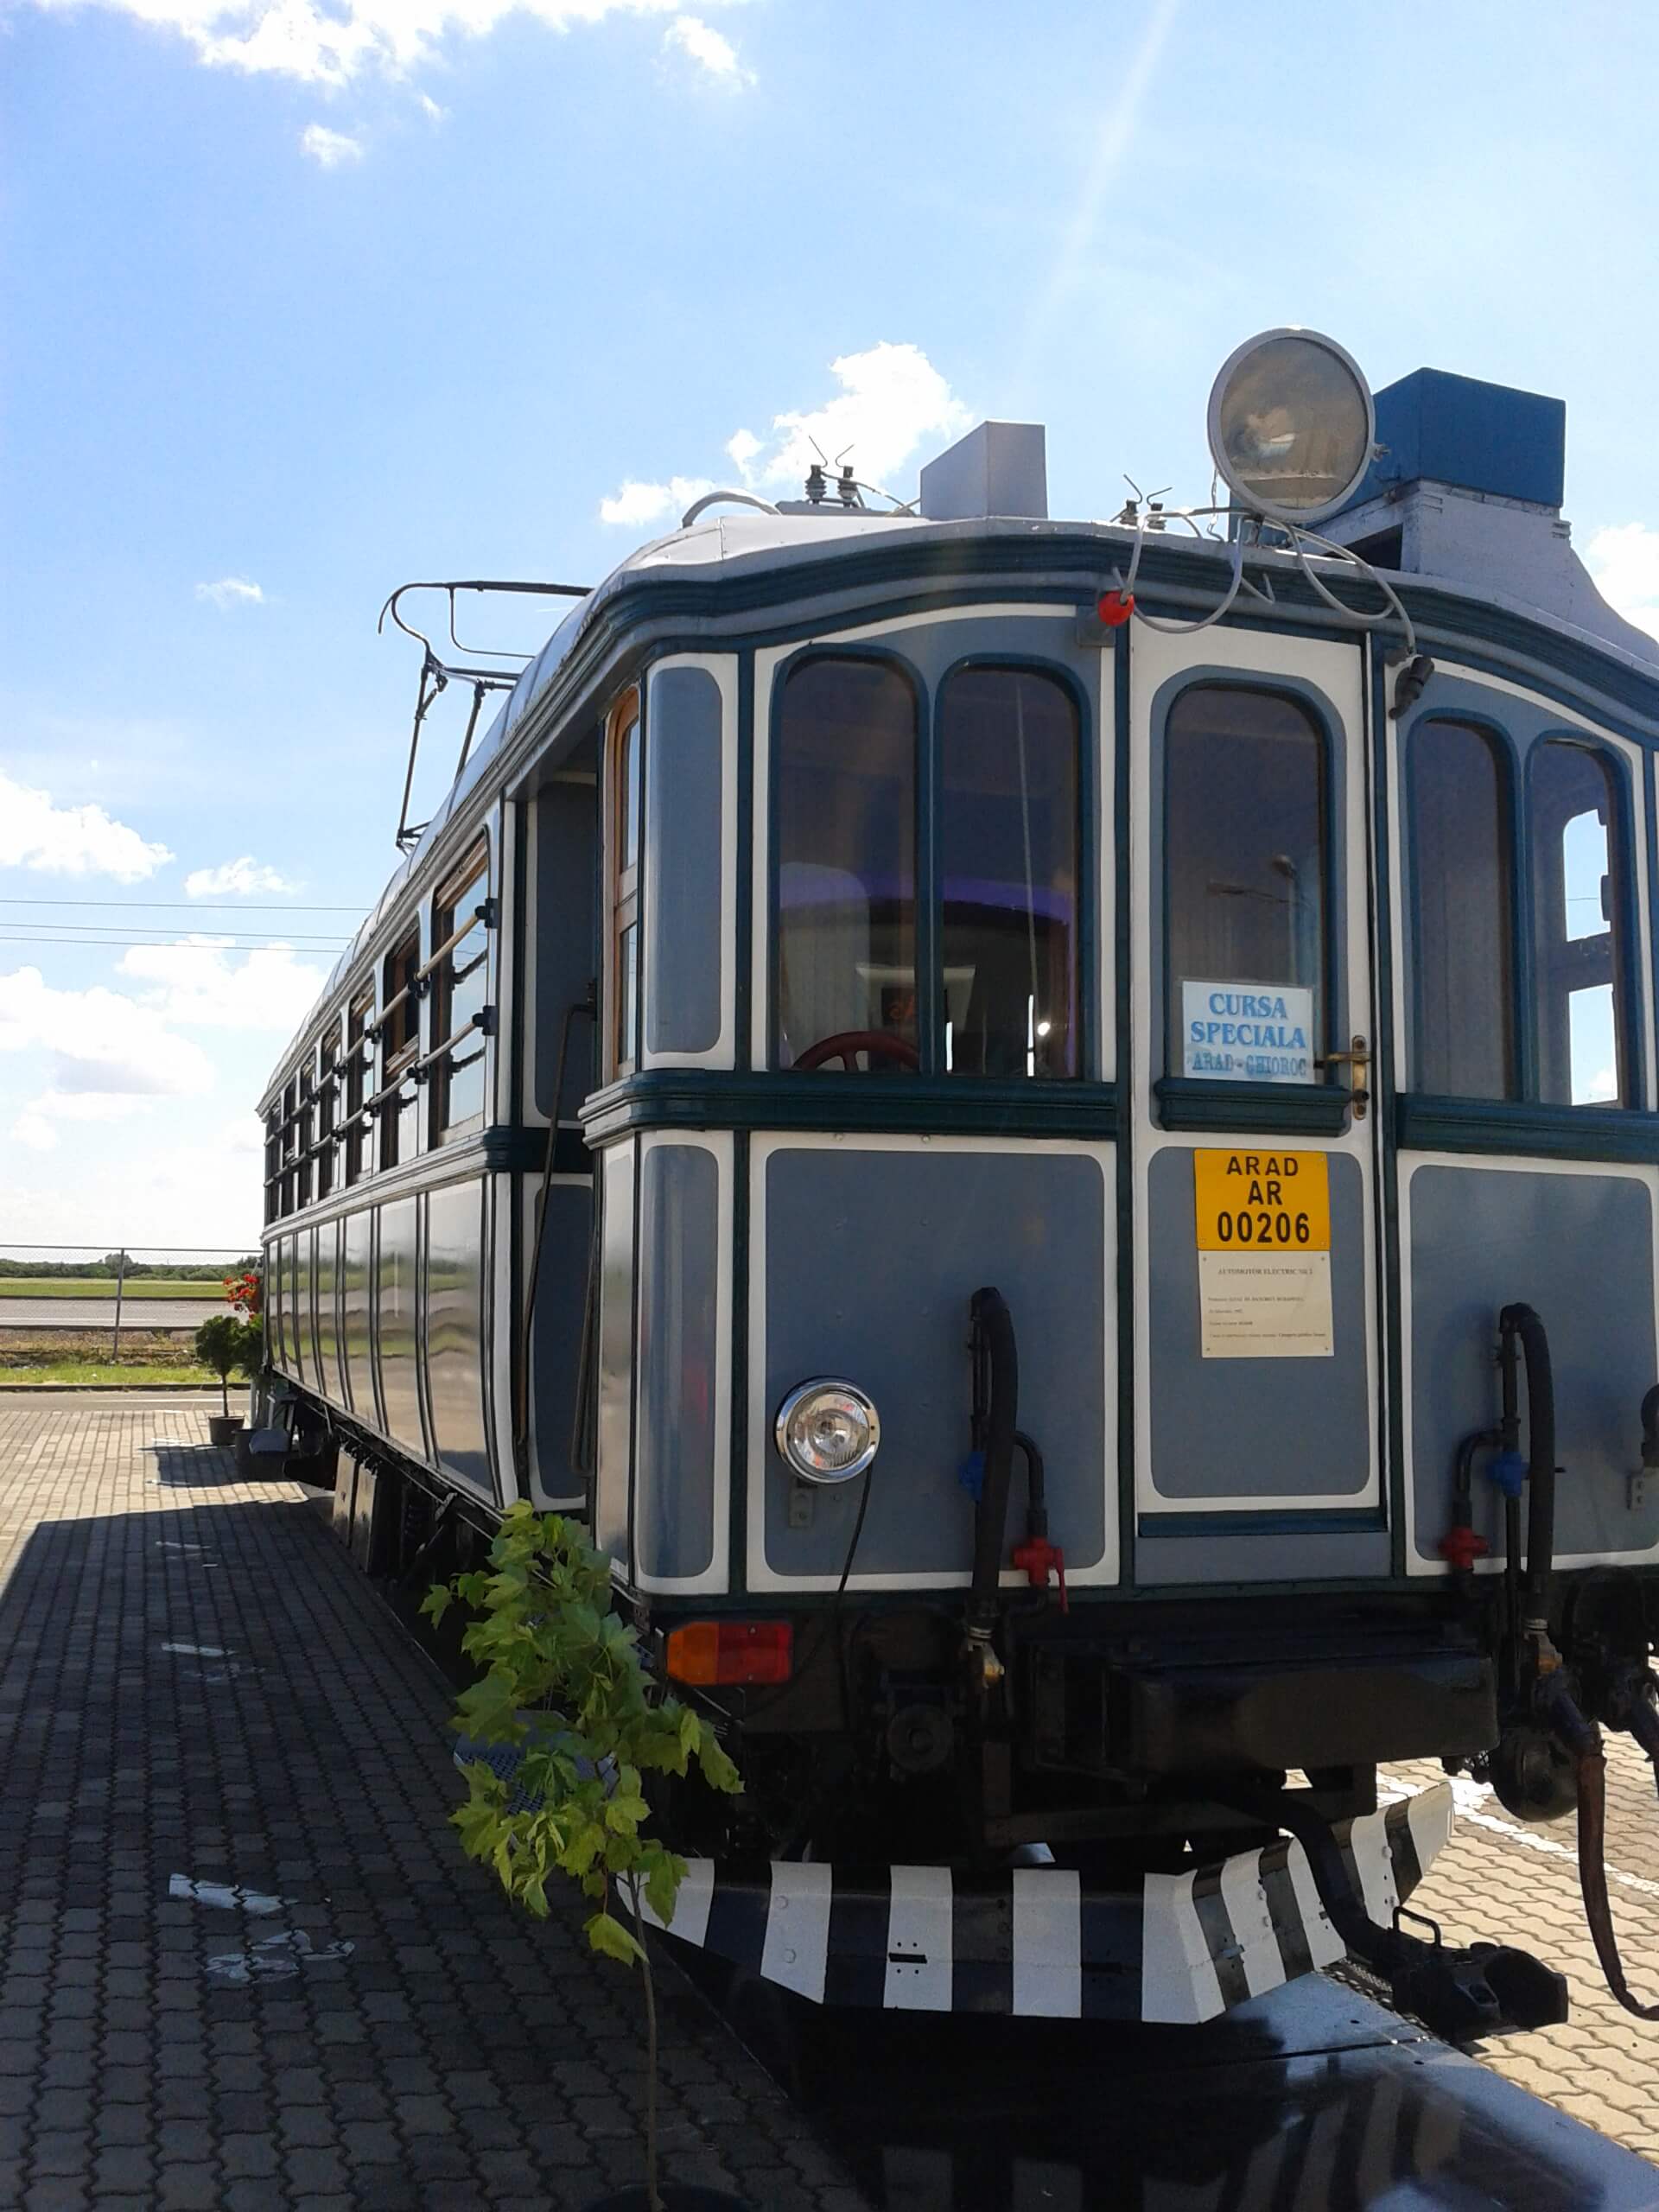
<point x="437" y="1601"/>
<point x="717" y="1768"/>
<point x="613" y="1939"/>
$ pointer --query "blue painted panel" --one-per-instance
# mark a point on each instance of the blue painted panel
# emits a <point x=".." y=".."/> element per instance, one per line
<point x="679" y="1381"/>
<point x="399" y="1383"/>
<point x="682" y="985"/>
<point x="557" y="1344"/>
<point x="871" y="1259"/>
<point x="616" y="1436"/>
<point x="454" y="1354"/>
<point x="1298" y="1555"/>
<point x="1487" y="437"/>
<point x="1578" y="1247"/>
<point x="1237" y="1429"/>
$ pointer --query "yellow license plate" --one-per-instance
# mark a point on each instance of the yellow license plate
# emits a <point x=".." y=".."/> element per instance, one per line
<point x="1259" y="1200"/>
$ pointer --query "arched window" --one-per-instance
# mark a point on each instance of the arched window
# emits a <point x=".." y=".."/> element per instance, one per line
<point x="1464" y="912"/>
<point x="1008" y="871"/>
<point x="1579" y="953"/>
<point x="1245" y="824"/>
<point x="844" y="810"/>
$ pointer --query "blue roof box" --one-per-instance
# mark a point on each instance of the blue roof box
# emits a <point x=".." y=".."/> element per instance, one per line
<point x="1483" y="437"/>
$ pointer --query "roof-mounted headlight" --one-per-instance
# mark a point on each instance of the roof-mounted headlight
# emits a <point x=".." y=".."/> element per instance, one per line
<point x="827" y="1431"/>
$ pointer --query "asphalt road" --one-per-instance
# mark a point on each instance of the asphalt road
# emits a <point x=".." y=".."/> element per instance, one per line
<point x="99" y="1313"/>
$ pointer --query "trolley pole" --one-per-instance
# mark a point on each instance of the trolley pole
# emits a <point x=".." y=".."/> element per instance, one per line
<point x="120" y="1278"/>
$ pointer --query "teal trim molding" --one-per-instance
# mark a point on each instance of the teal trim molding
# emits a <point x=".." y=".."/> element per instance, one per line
<point x="1428" y="1124"/>
<point x="695" y="1098"/>
<point x="1256" y="1110"/>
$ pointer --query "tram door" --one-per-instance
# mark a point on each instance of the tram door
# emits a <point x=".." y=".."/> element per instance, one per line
<point x="1258" y="1357"/>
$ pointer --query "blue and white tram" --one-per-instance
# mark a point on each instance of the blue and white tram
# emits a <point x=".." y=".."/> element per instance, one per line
<point x="1052" y="1130"/>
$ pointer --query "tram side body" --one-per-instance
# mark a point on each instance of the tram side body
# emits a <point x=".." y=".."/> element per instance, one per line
<point x="1252" y="1522"/>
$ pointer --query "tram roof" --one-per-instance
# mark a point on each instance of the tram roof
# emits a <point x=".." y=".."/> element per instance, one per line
<point x="752" y="544"/>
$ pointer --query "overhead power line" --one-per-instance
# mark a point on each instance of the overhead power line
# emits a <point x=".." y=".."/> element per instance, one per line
<point x="173" y="932"/>
<point x="184" y="905"/>
<point x="166" y="945"/>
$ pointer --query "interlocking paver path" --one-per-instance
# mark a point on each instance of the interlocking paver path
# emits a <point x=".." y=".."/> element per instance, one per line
<point x="245" y="1965"/>
<point x="1501" y="1880"/>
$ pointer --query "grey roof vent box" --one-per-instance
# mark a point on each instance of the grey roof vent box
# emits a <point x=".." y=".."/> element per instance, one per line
<point x="1001" y="468"/>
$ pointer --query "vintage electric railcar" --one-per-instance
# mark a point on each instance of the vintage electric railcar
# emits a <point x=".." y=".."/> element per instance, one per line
<point x="1052" y="1130"/>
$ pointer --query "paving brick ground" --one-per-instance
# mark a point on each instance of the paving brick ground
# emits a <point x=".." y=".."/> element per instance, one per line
<point x="1500" y="1880"/>
<point x="197" y="1687"/>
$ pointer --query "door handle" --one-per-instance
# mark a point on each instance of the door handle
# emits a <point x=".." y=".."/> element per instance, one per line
<point x="1358" y="1058"/>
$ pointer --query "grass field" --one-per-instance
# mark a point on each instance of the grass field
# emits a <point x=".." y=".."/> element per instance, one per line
<point x="72" y="1374"/>
<point x="134" y="1287"/>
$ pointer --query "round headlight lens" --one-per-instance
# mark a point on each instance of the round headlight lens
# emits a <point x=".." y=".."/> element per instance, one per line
<point x="827" y="1431"/>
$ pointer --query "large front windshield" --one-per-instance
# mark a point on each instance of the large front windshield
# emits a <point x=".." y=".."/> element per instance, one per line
<point x="845" y="800"/>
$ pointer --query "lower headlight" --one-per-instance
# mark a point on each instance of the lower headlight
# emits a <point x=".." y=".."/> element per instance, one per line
<point x="827" y="1431"/>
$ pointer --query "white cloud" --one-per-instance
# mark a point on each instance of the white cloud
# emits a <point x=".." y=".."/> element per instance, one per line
<point x="702" y="44"/>
<point x="40" y="1119"/>
<point x="891" y="399"/>
<point x="199" y="984"/>
<point x="1623" y="561"/>
<point x="638" y="503"/>
<point x="69" y="840"/>
<point x="331" y="45"/>
<point x="431" y="111"/>
<point x="231" y="591"/>
<point x="241" y="876"/>
<point x="328" y="148"/>
<point x="97" y="1041"/>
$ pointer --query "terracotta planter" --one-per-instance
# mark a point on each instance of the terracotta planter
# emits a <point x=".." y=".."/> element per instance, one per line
<point x="222" y="1428"/>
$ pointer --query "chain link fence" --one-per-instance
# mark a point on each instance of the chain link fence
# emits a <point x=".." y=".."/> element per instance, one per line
<point x="80" y="1303"/>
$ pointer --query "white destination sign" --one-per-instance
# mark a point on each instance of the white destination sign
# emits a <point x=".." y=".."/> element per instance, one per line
<point x="1253" y="1032"/>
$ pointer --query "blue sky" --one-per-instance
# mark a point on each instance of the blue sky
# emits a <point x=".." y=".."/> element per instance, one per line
<point x="303" y="302"/>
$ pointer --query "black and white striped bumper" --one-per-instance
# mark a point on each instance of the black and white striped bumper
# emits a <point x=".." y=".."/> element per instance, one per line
<point x="1181" y="1948"/>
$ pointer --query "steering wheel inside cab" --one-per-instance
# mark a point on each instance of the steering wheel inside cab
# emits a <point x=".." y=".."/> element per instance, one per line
<point x="847" y="1044"/>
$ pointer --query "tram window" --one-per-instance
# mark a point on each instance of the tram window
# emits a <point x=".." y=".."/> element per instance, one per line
<point x="459" y="983"/>
<point x="307" y="1131"/>
<point x="1465" y="911"/>
<point x="359" y="1135"/>
<point x="400" y="1045"/>
<point x="290" y="1140"/>
<point x="1245" y="777"/>
<point x="1579" y="953"/>
<point x="328" y="1112"/>
<point x="1009" y="741"/>
<point x="626" y="786"/>
<point x="273" y="1162"/>
<point x="844" y="774"/>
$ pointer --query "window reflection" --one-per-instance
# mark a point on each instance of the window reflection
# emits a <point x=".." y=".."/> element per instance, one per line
<point x="1578" y="949"/>
<point x="1009" y="862"/>
<point x="1460" y="836"/>
<point x="845" y="799"/>
<point x="1245" y="808"/>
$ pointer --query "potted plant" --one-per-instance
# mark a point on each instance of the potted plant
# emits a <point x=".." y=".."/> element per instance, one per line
<point x="565" y="1685"/>
<point x="224" y="1344"/>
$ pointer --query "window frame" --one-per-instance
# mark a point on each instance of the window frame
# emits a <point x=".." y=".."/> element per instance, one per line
<point x="623" y="884"/>
<point x="1333" y="769"/>
<point x="1629" y="1037"/>
<point x="471" y="874"/>
<point x="358" y="1125"/>
<point x="399" y="1020"/>
<point x="328" y="1107"/>
<point x="1519" y="749"/>
<point x="1510" y="773"/>
<point x="930" y="872"/>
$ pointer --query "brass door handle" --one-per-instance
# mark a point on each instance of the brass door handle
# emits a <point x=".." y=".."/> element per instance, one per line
<point x="1358" y="1056"/>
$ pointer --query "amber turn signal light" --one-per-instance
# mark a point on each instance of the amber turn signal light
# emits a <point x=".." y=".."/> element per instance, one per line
<point x="707" y="1653"/>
